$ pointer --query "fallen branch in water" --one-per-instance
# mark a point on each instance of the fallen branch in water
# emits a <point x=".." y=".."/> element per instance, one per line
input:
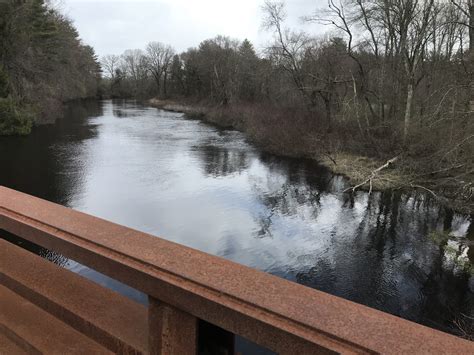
<point x="372" y="176"/>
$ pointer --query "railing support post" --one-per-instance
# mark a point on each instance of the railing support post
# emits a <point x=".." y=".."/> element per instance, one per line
<point x="171" y="331"/>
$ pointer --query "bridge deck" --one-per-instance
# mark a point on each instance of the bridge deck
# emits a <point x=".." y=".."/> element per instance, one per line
<point x="33" y="330"/>
<point x="95" y="311"/>
<point x="8" y="346"/>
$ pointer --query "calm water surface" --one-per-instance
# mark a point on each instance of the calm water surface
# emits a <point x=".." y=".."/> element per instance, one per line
<point x="210" y="189"/>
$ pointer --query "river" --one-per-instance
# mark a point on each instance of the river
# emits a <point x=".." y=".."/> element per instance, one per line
<point x="210" y="189"/>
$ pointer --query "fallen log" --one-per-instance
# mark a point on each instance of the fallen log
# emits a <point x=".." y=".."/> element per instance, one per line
<point x="372" y="176"/>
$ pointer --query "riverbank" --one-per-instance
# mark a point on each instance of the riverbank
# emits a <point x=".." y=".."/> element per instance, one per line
<point x="297" y="134"/>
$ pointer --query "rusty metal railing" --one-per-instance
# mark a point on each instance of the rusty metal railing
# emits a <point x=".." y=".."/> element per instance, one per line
<point x="184" y="285"/>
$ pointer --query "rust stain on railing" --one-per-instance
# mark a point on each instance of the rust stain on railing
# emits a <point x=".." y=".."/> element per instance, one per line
<point x="185" y="285"/>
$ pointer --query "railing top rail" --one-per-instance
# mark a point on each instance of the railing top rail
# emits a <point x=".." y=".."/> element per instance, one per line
<point x="256" y="305"/>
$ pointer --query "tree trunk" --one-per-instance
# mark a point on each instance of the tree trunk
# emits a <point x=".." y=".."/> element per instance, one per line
<point x="471" y="51"/>
<point x="409" y="104"/>
<point x="471" y="26"/>
<point x="327" y="104"/>
<point x="158" y="83"/>
<point x="165" y="80"/>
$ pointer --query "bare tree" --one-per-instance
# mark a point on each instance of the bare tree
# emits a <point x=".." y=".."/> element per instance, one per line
<point x="467" y="9"/>
<point x="110" y="64"/>
<point x="288" y="48"/>
<point x="342" y="15"/>
<point x="414" y="22"/>
<point x="135" y="65"/>
<point x="159" y="60"/>
<point x="402" y="28"/>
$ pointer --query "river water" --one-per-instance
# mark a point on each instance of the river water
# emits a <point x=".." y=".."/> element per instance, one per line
<point x="210" y="189"/>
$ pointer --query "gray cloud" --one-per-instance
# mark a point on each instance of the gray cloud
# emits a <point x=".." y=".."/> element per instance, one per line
<point x="112" y="26"/>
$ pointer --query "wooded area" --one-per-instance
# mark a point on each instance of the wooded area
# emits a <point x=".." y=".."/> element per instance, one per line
<point x="390" y="78"/>
<point x="43" y="63"/>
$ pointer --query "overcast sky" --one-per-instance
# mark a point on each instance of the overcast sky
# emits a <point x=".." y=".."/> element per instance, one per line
<point x="112" y="26"/>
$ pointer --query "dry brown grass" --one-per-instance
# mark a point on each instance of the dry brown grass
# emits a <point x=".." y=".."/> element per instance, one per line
<point x="174" y="106"/>
<point x="358" y="168"/>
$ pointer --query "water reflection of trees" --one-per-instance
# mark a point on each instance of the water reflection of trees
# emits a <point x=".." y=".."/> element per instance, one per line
<point x="385" y="260"/>
<point x="395" y="267"/>
<point x="40" y="164"/>
<point x="123" y="108"/>
<point x="36" y="164"/>
<point x="285" y="201"/>
<point x="218" y="161"/>
<point x="289" y="184"/>
<point x="124" y="112"/>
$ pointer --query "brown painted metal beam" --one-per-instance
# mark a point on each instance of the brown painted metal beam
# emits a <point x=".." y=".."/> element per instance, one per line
<point x="8" y="346"/>
<point x="283" y="316"/>
<point x="171" y="331"/>
<point x="103" y="315"/>
<point x="38" y="332"/>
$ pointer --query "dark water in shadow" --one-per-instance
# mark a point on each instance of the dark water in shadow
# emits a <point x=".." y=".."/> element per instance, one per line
<point x="209" y="189"/>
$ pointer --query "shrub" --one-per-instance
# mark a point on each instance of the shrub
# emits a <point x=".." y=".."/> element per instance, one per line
<point x="3" y="83"/>
<point x="14" y="120"/>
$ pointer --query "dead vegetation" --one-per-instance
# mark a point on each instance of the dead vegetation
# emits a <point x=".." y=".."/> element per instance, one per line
<point x="443" y="171"/>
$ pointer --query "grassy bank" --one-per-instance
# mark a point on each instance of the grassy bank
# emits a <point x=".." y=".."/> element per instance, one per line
<point x="369" y="162"/>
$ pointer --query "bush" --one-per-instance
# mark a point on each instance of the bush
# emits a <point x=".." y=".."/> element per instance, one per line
<point x="3" y="83"/>
<point x="14" y="120"/>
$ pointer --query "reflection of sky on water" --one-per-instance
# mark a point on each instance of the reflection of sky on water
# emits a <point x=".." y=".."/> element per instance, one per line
<point x="208" y="189"/>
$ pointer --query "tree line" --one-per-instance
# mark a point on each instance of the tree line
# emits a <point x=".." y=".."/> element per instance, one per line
<point x="43" y="63"/>
<point x="389" y="76"/>
<point x="408" y="62"/>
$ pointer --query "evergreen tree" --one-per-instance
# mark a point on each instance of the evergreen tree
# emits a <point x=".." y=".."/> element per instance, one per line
<point x="44" y="64"/>
<point x="248" y="67"/>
